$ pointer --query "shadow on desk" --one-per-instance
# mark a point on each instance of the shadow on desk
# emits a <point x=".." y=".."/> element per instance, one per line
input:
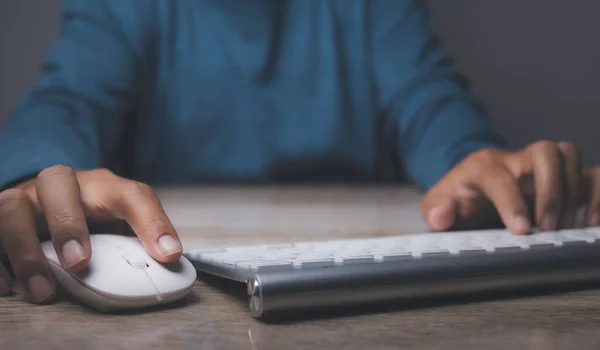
<point x="238" y="291"/>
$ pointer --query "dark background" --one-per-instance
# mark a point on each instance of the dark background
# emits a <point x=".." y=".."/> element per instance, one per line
<point x="532" y="63"/>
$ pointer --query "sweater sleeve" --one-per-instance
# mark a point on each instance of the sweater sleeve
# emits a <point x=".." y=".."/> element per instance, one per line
<point x="73" y="113"/>
<point x="430" y="117"/>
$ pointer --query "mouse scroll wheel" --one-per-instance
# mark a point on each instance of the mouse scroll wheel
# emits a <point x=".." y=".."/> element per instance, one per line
<point x="135" y="261"/>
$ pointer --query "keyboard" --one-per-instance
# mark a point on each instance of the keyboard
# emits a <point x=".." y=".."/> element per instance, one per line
<point x="300" y="275"/>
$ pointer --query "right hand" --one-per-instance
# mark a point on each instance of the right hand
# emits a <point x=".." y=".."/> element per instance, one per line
<point x="60" y="203"/>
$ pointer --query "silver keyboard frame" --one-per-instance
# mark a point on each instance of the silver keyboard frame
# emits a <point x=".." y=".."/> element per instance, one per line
<point x="271" y="292"/>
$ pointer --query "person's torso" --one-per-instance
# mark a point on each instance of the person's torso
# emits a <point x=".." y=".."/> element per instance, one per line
<point x="258" y="91"/>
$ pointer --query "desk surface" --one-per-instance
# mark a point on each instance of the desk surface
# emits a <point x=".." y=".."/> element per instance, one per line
<point x="211" y="319"/>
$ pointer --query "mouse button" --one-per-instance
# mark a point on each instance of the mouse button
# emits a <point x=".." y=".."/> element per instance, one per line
<point x="108" y="273"/>
<point x="172" y="277"/>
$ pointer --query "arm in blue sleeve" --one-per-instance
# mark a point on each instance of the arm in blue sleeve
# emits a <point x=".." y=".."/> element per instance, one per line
<point x="432" y="120"/>
<point x="72" y="115"/>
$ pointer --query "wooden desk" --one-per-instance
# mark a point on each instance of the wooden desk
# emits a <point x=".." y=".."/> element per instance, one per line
<point x="211" y="319"/>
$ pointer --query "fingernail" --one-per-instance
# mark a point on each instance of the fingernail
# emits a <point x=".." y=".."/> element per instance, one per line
<point x="4" y="287"/>
<point x="168" y="245"/>
<point x="549" y="223"/>
<point x="73" y="252"/>
<point x="439" y="217"/>
<point x="521" y="224"/>
<point x="433" y="218"/>
<point x="40" y="288"/>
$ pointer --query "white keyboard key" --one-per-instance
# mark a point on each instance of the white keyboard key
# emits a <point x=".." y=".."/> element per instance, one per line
<point x="593" y="231"/>
<point x="528" y="242"/>
<point x="492" y="243"/>
<point x="211" y="250"/>
<point x="552" y="237"/>
<point x="277" y="246"/>
<point x="579" y="235"/>
<point x="215" y="257"/>
<point x="508" y="249"/>
<point x="557" y="238"/>
<point x="238" y="258"/>
<point x="347" y="260"/>
<point x="435" y="253"/>
<point x="305" y="245"/>
<point x="264" y="266"/>
<point x="393" y="256"/>
<point x="240" y="250"/>
<point x="471" y="250"/>
<point x="313" y="263"/>
<point x="540" y="246"/>
<point x="244" y="263"/>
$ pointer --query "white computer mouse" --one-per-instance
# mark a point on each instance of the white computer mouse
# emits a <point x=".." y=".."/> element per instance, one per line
<point x="122" y="275"/>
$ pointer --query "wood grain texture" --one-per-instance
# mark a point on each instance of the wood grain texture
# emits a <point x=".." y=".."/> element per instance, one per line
<point x="212" y="317"/>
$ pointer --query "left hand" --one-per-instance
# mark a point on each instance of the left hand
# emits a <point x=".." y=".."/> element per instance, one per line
<point x="541" y="185"/>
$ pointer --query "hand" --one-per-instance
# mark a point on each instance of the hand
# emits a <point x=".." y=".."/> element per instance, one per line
<point x="60" y="203"/>
<point x="541" y="185"/>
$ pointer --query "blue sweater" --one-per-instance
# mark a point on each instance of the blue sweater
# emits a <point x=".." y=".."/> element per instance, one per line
<point x="195" y="91"/>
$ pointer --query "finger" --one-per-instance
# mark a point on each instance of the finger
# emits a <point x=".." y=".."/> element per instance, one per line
<point x="549" y="184"/>
<point x="572" y="183"/>
<point x="58" y="192"/>
<point x="440" y="213"/>
<point x="501" y="188"/>
<point x="19" y="239"/>
<point x="137" y="204"/>
<point x="436" y="207"/>
<point x="592" y="190"/>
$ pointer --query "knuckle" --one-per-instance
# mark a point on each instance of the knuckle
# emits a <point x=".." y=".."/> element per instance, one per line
<point x="12" y="199"/>
<point x="156" y="224"/>
<point x="569" y="148"/>
<point x="53" y="172"/>
<point x="103" y="172"/>
<point x="545" y="147"/>
<point x="65" y="217"/>
<point x="155" y="220"/>
<point x="63" y="234"/>
<point x="20" y="249"/>
<point x="135" y="188"/>
<point x="480" y="163"/>
<point x="571" y="155"/>
<point x="483" y="157"/>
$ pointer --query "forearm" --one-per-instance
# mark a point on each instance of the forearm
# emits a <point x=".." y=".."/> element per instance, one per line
<point x="43" y="137"/>
<point x="442" y="135"/>
<point x="431" y="118"/>
<point x="73" y="114"/>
